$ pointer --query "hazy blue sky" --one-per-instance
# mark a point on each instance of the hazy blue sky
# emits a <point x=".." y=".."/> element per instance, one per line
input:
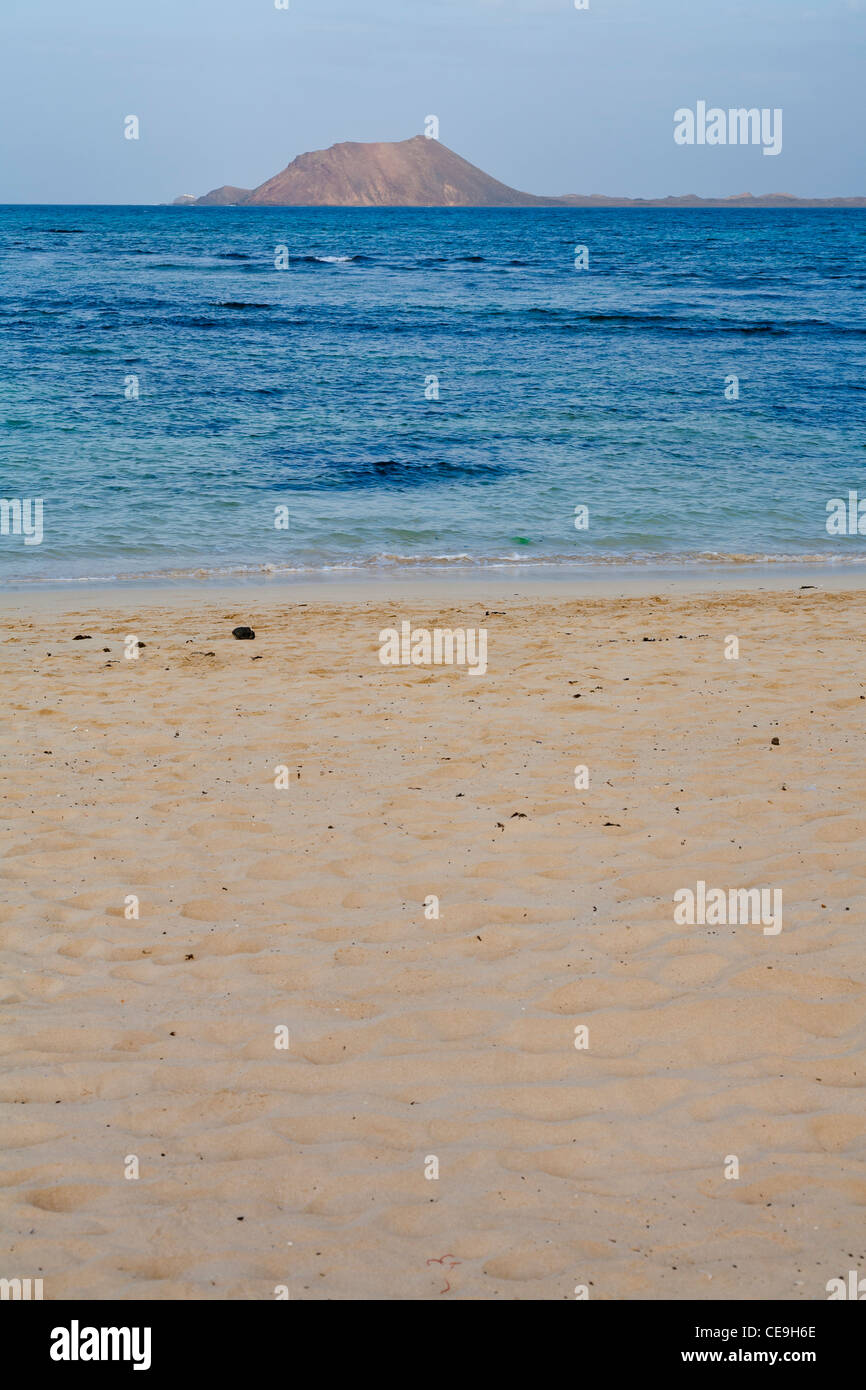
<point x="544" y="97"/>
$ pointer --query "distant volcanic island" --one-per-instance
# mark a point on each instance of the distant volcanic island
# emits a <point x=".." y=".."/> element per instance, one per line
<point x="422" y="172"/>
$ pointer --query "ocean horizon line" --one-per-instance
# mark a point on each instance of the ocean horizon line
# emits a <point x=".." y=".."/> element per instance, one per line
<point x="589" y="202"/>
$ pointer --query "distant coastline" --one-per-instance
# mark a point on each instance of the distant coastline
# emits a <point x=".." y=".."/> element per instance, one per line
<point x="771" y="201"/>
<point x="423" y="172"/>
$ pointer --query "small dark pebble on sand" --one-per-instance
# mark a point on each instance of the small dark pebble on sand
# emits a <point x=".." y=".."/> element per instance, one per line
<point x="82" y="637"/>
<point x="243" y="634"/>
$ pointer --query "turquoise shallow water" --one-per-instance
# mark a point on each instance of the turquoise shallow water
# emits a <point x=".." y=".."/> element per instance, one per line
<point x="310" y="388"/>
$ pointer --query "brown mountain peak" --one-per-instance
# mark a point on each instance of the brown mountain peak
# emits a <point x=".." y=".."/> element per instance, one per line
<point x="417" y="172"/>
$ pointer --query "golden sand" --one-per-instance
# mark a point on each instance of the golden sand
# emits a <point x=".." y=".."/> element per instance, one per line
<point x="413" y="1038"/>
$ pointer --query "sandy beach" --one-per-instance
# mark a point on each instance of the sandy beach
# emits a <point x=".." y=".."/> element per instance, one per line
<point x="146" y="785"/>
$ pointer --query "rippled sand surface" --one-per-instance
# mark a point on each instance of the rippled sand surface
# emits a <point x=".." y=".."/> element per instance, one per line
<point x="413" y="1038"/>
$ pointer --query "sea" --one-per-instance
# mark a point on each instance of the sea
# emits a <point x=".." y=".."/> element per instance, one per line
<point x="241" y="392"/>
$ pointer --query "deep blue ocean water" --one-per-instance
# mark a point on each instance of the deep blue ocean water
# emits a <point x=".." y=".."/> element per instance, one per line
<point x="305" y="388"/>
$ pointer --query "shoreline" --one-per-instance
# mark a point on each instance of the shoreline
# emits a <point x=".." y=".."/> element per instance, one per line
<point x="524" y="581"/>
